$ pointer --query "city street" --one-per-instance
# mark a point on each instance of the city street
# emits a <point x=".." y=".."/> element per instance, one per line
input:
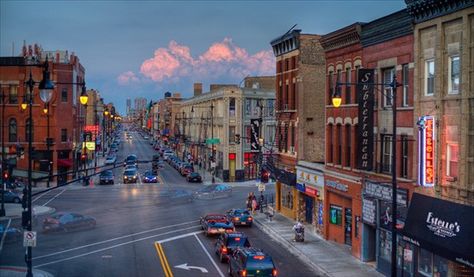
<point x="140" y="229"/>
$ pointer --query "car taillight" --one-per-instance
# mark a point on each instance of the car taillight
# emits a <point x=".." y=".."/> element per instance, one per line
<point x="236" y="218"/>
<point x="274" y="272"/>
<point x="224" y="250"/>
<point x="244" y="273"/>
<point x="249" y="218"/>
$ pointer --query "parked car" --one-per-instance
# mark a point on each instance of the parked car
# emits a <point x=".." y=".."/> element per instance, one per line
<point x="66" y="221"/>
<point x="228" y="242"/>
<point x="213" y="191"/>
<point x="186" y="168"/>
<point x="106" y="177"/>
<point x="240" y="217"/>
<point x="194" y="177"/>
<point x="149" y="177"/>
<point x="10" y="234"/>
<point x="11" y="196"/>
<point x="213" y="224"/>
<point x="130" y="175"/>
<point x="111" y="159"/>
<point x="251" y="262"/>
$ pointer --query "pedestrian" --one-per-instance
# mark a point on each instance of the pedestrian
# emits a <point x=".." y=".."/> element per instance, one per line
<point x="249" y="201"/>
<point x="254" y="205"/>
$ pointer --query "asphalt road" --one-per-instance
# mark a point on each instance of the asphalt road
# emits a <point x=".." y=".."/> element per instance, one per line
<point x="140" y="230"/>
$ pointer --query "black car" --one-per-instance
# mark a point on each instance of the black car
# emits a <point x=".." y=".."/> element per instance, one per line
<point x="130" y="175"/>
<point x="66" y="221"/>
<point x="251" y="262"/>
<point x="228" y="242"/>
<point x="194" y="177"/>
<point x="106" y="177"/>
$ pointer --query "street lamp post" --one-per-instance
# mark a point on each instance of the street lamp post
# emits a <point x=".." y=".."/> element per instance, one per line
<point x="336" y="100"/>
<point x="46" y="88"/>
<point x="46" y="111"/>
<point x="4" y="181"/>
<point x="104" y="131"/>
<point x="83" y="99"/>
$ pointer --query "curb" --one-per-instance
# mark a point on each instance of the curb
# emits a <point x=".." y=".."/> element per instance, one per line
<point x="291" y="248"/>
<point x="13" y="271"/>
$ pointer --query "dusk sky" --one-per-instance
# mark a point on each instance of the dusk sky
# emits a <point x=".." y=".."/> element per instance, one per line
<point x="145" y="48"/>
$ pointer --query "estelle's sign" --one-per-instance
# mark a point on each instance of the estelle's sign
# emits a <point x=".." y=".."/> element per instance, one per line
<point x="426" y="151"/>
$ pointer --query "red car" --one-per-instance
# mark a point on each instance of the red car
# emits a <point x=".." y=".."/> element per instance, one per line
<point x="214" y="224"/>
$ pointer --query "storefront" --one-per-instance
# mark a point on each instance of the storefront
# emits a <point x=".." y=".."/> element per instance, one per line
<point x="310" y="196"/>
<point x="377" y="226"/>
<point x="440" y="235"/>
<point x="343" y="212"/>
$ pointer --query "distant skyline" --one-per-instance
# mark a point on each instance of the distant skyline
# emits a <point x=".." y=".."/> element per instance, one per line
<point x="144" y="48"/>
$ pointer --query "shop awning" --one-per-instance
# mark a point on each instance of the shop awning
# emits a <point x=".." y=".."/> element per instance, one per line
<point x="445" y="228"/>
<point x="65" y="162"/>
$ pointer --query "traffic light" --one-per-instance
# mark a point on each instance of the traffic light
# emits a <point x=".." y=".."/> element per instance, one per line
<point x="237" y="139"/>
<point x="83" y="157"/>
<point x="265" y="176"/>
<point x="5" y="175"/>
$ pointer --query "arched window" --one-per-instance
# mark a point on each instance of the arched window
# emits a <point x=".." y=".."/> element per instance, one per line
<point x="348" y="145"/>
<point x="12" y="130"/>
<point x="232" y="107"/>
<point x="27" y="130"/>
<point x="330" y="143"/>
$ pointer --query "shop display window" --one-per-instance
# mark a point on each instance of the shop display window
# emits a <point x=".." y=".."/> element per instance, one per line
<point x="335" y="213"/>
<point x="287" y="196"/>
<point x="385" y="245"/>
<point x="431" y="265"/>
<point x="405" y="255"/>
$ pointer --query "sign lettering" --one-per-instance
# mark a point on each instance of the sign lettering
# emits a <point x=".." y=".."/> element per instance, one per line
<point x="426" y="150"/>
<point x="365" y="93"/>
<point x="254" y="133"/>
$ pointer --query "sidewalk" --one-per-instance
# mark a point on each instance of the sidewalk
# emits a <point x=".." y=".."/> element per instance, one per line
<point x="325" y="257"/>
<point x="207" y="179"/>
<point x="14" y="210"/>
<point x="16" y="271"/>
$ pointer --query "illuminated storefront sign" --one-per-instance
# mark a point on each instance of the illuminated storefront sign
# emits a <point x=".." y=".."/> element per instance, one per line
<point x="426" y="151"/>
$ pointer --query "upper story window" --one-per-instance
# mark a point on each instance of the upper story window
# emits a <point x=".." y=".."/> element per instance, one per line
<point x="231" y="134"/>
<point x="248" y="104"/>
<point x="232" y="107"/>
<point x="452" y="159"/>
<point x="386" y="153"/>
<point x="348" y="85"/>
<point x="63" y="135"/>
<point x="64" y="95"/>
<point x="429" y="77"/>
<point x="387" y="75"/>
<point x="331" y="86"/>
<point x="13" y="94"/>
<point x="12" y="130"/>
<point x="405" y="77"/>
<point x="338" y="81"/>
<point x="270" y="107"/>
<point x="454" y="74"/>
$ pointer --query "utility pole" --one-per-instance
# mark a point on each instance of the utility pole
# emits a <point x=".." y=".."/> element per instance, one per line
<point x="2" y="210"/>
<point x="48" y="142"/>
<point x="213" y="149"/>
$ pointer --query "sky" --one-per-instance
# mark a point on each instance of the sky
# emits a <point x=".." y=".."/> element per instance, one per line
<point x="135" y="49"/>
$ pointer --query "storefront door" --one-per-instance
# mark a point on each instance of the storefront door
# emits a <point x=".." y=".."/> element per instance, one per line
<point x="348" y="226"/>
<point x="309" y="210"/>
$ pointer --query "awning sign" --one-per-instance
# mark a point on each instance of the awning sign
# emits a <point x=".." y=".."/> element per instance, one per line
<point x="442" y="227"/>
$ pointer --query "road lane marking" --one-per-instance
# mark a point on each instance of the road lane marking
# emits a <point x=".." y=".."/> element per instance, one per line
<point x="209" y="255"/>
<point x="109" y="240"/>
<point x="113" y="246"/>
<point x="53" y="197"/>
<point x="164" y="261"/>
<point x="179" y="237"/>
<point x="4" y="236"/>
<point x="40" y="196"/>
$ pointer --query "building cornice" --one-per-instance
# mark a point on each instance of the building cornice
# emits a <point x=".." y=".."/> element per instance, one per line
<point x="341" y="38"/>
<point x="424" y="10"/>
<point x="386" y="28"/>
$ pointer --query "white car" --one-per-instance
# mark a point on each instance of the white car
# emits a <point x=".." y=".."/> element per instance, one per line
<point x="110" y="160"/>
<point x="167" y="154"/>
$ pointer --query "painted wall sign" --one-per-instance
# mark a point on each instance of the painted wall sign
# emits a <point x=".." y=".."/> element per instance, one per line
<point x="337" y="185"/>
<point x="369" y="211"/>
<point x="383" y="192"/>
<point x="426" y="151"/>
<point x="365" y="93"/>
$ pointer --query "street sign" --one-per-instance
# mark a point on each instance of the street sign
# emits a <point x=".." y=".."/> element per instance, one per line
<point x="29" y="239"/>
<point x="213" y="141"/>
<point x="90" y="145"/>
<point x="261" y="187"/>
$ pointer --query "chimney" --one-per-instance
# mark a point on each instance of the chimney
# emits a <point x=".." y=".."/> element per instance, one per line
<point x="197" y="89"/>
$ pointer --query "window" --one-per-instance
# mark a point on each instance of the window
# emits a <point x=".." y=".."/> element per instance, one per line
<point x="232" y="107"/>
<point x="13" y="94"/>
<point x="431" y="265"/>
<point x="385" y="245"/>
<point x="270" y="107"/>
<point x="293" y="97"/>
<point x="404" y="157"/>
<point x="287" y="196"/>
<point x="452" y="159"/>
<point x="293" y="135"/>
<point x="27" y="130"/>
<point x="330" y="140"/>
<point x="285" y="138"/>
<point x="335" y="215"/>
<point x="348" y="146"/>
<point x="12" y="130"/>
<point x="348" y="86"/>
<point x="338" y="81"/>
<point x="387" y="153"/>
<point x="429" y="77"/>
<point x="454" y="74"/>
<point x="64" y="95"/>
<point x="339" y="144"/>
<point x="63" y="135"/>
<point x="231" y="134"/>
<point x="331" y="87"/>
<point x="280" y="98"/>
<point x="387" y="75"/>
<point x="405" y="71"/>
<point x="248" y="104"/>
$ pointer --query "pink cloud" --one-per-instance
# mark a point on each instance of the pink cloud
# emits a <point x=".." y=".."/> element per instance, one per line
<point x="127" y="78"/>
<point x="221" y="60"/>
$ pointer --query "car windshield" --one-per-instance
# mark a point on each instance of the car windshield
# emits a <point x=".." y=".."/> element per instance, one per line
<point x="129" y="172"/>
<point x="241" y="212"/>
<point x="107" y="173"/>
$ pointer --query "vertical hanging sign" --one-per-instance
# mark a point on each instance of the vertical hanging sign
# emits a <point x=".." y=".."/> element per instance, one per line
<point x="426" y="151"/>
<point x="254" y="133"/>
<point x="365" y="97"/>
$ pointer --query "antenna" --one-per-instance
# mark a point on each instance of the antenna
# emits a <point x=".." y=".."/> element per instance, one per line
<point x="291" y="29"/>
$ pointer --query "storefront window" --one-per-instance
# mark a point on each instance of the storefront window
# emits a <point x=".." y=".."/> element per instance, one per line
<point x="287" y="196"/>
<point x="431" y="265"/>
<point x="335" y="213"/>
<point x="385" y="247"/>
<point x="405" y="257"/>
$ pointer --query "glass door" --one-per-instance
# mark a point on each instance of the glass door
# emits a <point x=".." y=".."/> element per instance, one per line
<point x="348" y="226"/>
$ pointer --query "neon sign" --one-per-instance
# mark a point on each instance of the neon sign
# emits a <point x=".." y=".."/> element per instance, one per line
<point x="426" y="151"/>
